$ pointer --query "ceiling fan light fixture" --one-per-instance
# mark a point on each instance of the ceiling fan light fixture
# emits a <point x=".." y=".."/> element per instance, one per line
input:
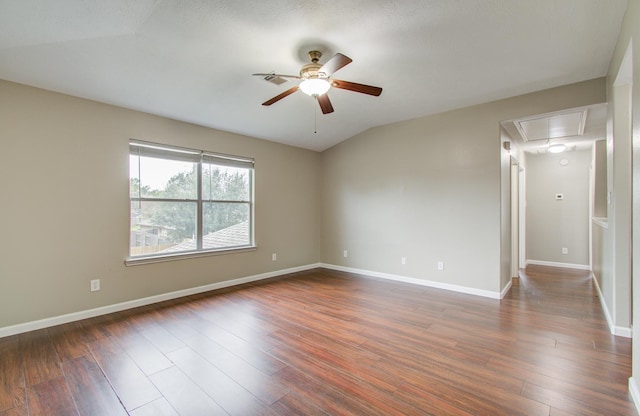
<point x="315" y="86"/>
<point x="557" y="148"/>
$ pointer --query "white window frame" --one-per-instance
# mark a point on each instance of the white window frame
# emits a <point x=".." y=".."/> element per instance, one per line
<point x="200" y="157"/>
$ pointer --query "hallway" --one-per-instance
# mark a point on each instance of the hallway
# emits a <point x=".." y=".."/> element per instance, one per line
<point x="571" y="360"/>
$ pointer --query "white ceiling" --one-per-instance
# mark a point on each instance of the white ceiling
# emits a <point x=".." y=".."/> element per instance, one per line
<point x="193" y="60"/>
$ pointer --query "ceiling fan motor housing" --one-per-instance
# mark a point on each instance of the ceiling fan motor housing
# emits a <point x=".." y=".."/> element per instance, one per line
<point x="311" y="71"/>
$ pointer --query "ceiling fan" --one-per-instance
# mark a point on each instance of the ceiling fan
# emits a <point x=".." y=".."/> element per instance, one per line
<point x="316" y="81"/>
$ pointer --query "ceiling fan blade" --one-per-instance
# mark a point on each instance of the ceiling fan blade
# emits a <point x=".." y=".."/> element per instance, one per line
<point x="281" y="96"/>
<point x="353" y="86"/>
<point x="338" y="61"/>
<point x="277" y="75"/>
<point x="325" y="104"/>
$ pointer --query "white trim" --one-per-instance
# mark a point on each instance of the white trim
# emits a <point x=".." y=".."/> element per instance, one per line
<point x="615" y="330"/>
<point x="635" y="392"/>
<point x="622" y="332"/>
<point x="592" y="191"/>
<point x="556" y="264"/>
<point x="603" y="303"/>
<point x="139" y="260"/>
<point x="506" y="289"/>
<point x="90" y="313"/>
<point x="416" y="281"/>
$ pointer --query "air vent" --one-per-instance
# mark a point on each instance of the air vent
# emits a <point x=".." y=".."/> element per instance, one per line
<point x="274" y="79"/>
<point x="552" y="127"/>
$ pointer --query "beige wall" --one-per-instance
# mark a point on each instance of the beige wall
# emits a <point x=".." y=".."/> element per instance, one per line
<point x="614" y="272"/>
<point x="600" y="179"/>
<point x="620" y="216"/>
<point x="555" y="224"/>
<point x="64" y="184"/>
<point x="430" y="189"/>
<point x="629" y="39"/>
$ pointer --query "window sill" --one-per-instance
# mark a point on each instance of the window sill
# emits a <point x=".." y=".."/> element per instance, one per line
<point x="136" y="261"/>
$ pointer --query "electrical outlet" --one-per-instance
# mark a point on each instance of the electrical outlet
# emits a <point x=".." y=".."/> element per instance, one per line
<point x="274" y="257"/>
<point x="403" y="260"/>
<point x="345" y="253"/>
<point x="565" y="250"/>
<point x="95" y="285"/>
<point x="440" y="265"/>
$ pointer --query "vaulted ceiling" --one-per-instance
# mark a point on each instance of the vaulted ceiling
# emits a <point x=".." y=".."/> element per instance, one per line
<point x="193" y="60"/>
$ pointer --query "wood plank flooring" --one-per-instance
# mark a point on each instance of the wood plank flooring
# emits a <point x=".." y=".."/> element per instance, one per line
<point x="330" y="343"/>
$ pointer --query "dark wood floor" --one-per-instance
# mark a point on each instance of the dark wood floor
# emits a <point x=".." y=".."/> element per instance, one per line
<point x="324" y="342"/>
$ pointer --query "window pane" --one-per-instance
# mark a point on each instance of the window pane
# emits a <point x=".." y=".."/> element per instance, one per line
<point x="225" y="183"/>
<point x="151" y="177"/>
<point x="162" y="227"/>
<point x="134" y="176"/>
<point x="172" y="189"/>
<point x="225" y="225"/>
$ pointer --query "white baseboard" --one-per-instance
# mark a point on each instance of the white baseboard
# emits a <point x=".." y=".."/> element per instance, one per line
<point x="622" y="331"/>
<point x="556" y="264"/>
<point x="635" y="392"/>
<point x="615" y="330"/>
<point x="603" y="303"/>
<point x="90" y="313"/>
<point x="421" y="282"/>
<point x="506" y="289"/>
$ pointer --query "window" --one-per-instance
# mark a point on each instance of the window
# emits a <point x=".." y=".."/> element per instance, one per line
<point x="186" y="201"/>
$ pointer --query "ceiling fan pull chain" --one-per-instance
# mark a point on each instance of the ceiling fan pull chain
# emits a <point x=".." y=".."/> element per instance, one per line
<point x="315" y="117"/>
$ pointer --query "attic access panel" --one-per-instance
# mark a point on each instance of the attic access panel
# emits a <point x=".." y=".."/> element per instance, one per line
<point x="552" y="127"/>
